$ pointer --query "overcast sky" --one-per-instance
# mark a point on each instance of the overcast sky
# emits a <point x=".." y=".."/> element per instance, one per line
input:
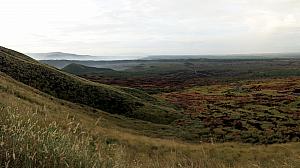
<point x="150" y="27"/>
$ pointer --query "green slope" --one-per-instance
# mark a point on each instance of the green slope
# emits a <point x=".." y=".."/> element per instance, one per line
<point x="79" y="69"/>
<point x="72" y="88"/>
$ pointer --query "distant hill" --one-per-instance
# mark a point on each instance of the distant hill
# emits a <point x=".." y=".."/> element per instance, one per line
<point x="74" y="57"/>
<point x="63" y="56"/>
<point x="116" y="64"/>
<point x="124" y="101"/>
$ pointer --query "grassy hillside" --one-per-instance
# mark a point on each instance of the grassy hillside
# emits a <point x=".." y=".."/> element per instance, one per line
<point x="68" y="87"/>
<point x="38" y="130"/>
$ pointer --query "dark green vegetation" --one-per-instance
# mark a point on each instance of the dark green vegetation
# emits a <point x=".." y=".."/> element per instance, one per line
<point x="64" y="86"/>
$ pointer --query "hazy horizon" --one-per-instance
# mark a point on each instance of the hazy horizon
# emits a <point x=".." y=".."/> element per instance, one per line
<point x="151" y="27"/>
<point x="85" y="57"/>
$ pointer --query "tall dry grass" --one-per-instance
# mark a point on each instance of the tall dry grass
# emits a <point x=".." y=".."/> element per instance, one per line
<point x="27" y="140"/>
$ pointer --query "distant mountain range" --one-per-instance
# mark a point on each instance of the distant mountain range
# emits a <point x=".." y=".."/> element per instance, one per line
<point x="74" y="57"/>
<point x="63" y="56"/>
<point x="69" y="56"/>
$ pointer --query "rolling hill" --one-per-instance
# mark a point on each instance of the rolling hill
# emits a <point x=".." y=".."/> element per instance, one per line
<point x="79" y="69"/>
<point x="116" y="100"/>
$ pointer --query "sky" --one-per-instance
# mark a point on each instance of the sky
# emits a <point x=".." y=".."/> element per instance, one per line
<point x="150" y="27"/>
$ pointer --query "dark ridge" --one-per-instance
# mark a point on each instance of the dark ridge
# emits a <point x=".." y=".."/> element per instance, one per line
<point x="79" y="69"/>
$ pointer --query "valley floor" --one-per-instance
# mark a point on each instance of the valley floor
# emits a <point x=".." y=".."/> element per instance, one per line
<point x="262" y="111"/>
